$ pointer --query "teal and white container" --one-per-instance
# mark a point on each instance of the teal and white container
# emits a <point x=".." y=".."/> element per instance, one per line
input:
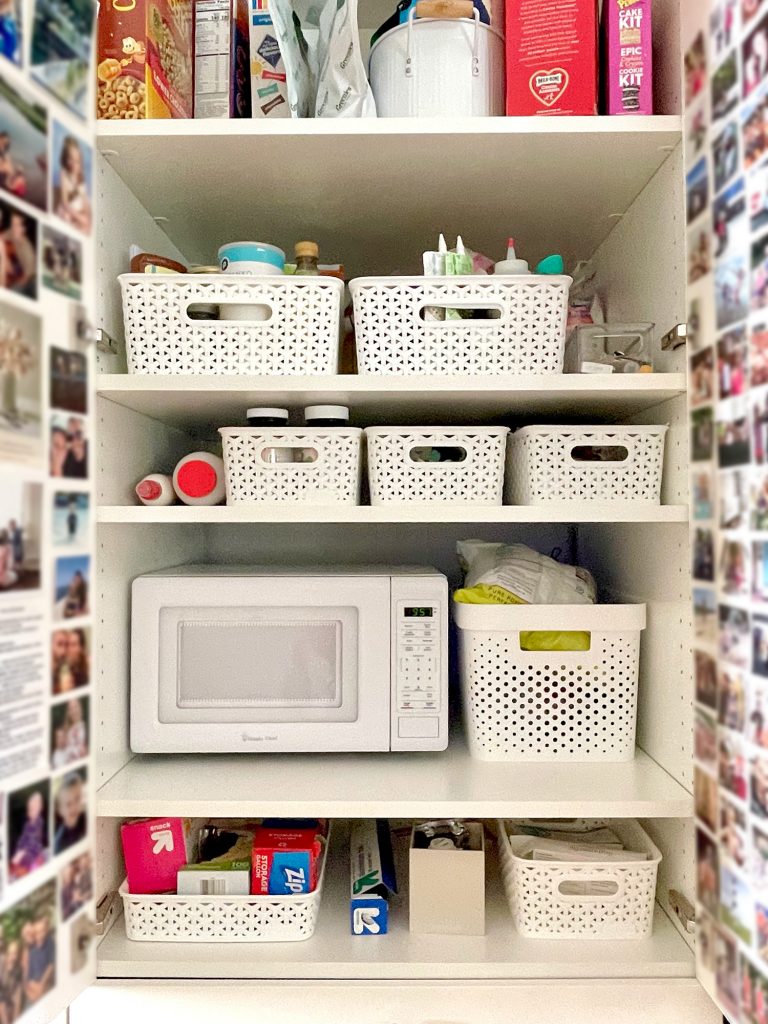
<point x="255" y="259"/>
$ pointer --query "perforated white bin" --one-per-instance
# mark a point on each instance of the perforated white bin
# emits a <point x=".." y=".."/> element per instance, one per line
<point x="595" y="900"/>
<point x="259" y="465"/>
<point x="525" y="332"/>
<point x="549" y="705"/>
<point x="556" y="463"/>
<point x="295" y="329"/>
<point x="170" y="918"/>
<point x="398" y="472"/>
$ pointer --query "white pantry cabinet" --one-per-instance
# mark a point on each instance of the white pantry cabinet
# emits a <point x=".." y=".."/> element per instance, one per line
<point x="608" y="189"/>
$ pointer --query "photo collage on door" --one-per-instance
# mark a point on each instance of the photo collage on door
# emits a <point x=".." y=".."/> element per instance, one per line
<point x="726" y="140"/>
<point x="46" y="504"/>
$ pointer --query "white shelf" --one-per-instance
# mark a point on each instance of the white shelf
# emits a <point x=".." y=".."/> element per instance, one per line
<point x="376" y="193"/>
<point x="332" y="953"/>
<point x="205" y="403"/>
<point x="560" y="512"/>
<point x="395" y="785"/>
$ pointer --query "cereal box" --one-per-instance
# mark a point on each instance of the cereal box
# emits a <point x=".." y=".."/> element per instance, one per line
<point x="145" y="59"/>
<point x="222" y="61"/>
<point x="552" y="57"/>
<point x="627" y="57"/>
<point x="269" y="90"/>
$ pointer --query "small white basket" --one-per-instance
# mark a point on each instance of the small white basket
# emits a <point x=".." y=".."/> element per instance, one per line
<point x="549" y="705"/>
<point x="556" y="463"/>
<point x="297" y="331"/>
<point x="252" y="477"/>
<point x="171" y="918"/>
<point x="548" y="901"/>
<point x="395" y="478"/>
<point x="524" y="334"/>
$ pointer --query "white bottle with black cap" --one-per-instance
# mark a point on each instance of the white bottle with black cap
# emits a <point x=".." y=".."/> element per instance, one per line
<point x="261" y="416"/>
<point x="326" y="416"/>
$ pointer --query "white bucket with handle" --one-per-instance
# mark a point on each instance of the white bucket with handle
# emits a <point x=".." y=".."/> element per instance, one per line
<point x="442" y="63"/>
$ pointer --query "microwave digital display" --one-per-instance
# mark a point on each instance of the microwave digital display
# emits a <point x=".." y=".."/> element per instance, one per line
<point x="418" y="613"/>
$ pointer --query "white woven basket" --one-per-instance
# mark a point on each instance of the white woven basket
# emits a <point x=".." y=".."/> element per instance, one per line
<point x="332" y="479"/>
<point x="549" y="705"/>
<point x="545" y="901"/>
<point x="170" y="918"/>
<point x="526" y="333"/>
<point x="541" y="466"/>
<point x="300" y="335"/>
<point x="396" y="479"/>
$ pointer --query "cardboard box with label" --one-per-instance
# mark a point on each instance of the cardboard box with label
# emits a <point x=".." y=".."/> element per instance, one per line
<point x="447" y="888"/>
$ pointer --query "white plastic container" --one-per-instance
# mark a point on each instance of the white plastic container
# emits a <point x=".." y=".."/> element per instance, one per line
<point x="551" y="899"/>
<point x="556" y="463"/>
<point x="155" y="489"/>
<point x="398" y="473"/>
<point x="524" y="334"/>
<point x="257" y="473"/>
<point x="574" y="706"/>
<point x="299" y="337"/>
<point x="438" y="67"/>
<point x="198" y="479"/>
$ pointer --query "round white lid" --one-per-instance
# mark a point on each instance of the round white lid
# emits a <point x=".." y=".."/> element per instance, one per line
<point x="326" y="412"/>
<point x="264" y="413"/>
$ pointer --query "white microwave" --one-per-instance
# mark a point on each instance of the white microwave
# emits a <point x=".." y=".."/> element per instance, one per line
<point x="230" y="659"/>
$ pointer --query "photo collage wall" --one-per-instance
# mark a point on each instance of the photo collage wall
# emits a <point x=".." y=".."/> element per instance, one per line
<point x="46" y="505"/>
<point x="726" y="137"/>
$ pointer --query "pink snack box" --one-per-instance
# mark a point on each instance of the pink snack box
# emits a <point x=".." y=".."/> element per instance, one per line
<point x="627" y="57"/>
<point x="154" y="849"/>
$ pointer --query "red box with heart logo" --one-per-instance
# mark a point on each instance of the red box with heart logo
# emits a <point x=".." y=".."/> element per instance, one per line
<point x="552" y="57"/>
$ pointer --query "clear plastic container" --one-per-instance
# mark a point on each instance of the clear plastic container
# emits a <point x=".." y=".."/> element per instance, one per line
<point x="610" y="348"/>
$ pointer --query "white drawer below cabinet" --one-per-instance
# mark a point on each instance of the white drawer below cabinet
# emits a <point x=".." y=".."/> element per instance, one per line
<point x="470" y="1002"/>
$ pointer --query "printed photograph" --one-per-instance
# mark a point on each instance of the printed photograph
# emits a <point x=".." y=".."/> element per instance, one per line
<point x="705" y="798"/>
<point x="760" y="273"/>
<point x="761" y="923"/>
<point x="749" y="8"/>
<point x="733" y="444"/>
<point x="697" y="130"/>
<point x="695" y="68"/>
<point x="758" y="354"/>
<point x="760" y="645"/>
<point x="703" y="486"/>
<point x="704" y="555"/>
<point x="702" y="378"/>
<point x="757" y="197"/>
<point x="732" y="764"/>
<point x="759" y="859"/>
<point x="21" y="518"/>
<point x="62" y="34"/>
<point x="708" y="873"/>
<point x="754" y="128"/>
<point x="732" y="699"/>
<point x="699" y="254"/>
<point x="727" y="972"/>
<point x="70" y="822"/>
<point x="69" y="732"/>
<point x="62" y="264"/>
<point x="736" y="907"/>
<point x="69" y="447"/>
<point x="725" y="155"/>
<point x="703" y="434"/>
<point x="732" y="360"/>
<point x="18" y="251"/>
<point x="71" y="519"/>
<point x="760" y="427"/>
<point x="20" y="384"/>
<point x="69" y="380"/>
<point x="754" y="992"/>
<point x="758" y="787"/>
<point x="73" y="574"/>
<point x="705" y="949"/>
<point x="723" y="27"/>
<point x="697" y="181"/>
<point x="734" y="636"/>
<point x="23" y="146"/>
<point x="734" y="499"/>
<point x="725" y="87"/>
<point x="70" y="660"/>
<point x="75" y="885"/>
<point x="757" y="720"/>
<point x="731" y="228"/>
<point x="706" y="680"/>
<point x="733" y="832"/>
<point x="759" y="501"/>
<point x="28" y="840"/>
<point x="754" y="57"/>
<point x="11" y="31"/>
<point x="28" y="929"/>
<point x="705" y="741"/>
<point x="72" y="180"/>
<point x="705" y="615"/>
<point x="760" y="570"/>
<point x="734" y="568"/>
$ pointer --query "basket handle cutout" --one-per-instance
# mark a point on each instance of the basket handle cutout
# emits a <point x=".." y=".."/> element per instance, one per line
<point x="246" y="312"/>
<point x="558" y="640"/>
<point x="281" y="455"/>
<point x="600" y="453"/>
<point x="596" y="890"/>
<point x="437" y="455"/>
<point x="429" y="310"/>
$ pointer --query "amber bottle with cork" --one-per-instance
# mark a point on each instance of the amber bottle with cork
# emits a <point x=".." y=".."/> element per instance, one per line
<point x="307" y="254"/>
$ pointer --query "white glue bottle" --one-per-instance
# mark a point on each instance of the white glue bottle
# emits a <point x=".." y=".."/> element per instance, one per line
<point x="155" y="489"/>
<point x="512" y="265"/>
<point x="199" y="479"/>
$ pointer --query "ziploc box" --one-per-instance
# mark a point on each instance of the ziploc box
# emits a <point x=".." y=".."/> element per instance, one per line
<point x="285" y="861"/>
<point x="145" y="59"/>
<point x="552" y="57"/>
<point x="155" y="849"/>
<point x="627" y="57"/>
<point x="269" y="91"/>
<point x="372" y="870"/>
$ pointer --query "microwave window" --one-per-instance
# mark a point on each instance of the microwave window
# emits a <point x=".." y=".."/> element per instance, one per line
<point x="418" y="613"/>
<point x="293" y="664"/>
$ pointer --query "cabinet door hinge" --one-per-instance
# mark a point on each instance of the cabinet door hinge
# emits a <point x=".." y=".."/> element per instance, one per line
<point x="684" y="910"/>
<point x="675" y="338"/>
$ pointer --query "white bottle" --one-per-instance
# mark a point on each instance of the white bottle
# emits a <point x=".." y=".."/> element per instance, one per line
<point x="155" y="489"/>
<point x="199" y="479"/>
<point x="512" y="265"/>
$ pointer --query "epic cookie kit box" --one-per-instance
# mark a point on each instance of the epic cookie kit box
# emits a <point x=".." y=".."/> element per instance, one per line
<point x="627" y="57"/>
<point x="552" y="57"/>
<point x="145" y="59"/>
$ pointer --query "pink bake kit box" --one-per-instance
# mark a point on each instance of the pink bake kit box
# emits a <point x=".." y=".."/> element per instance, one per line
<point x="627" y="57"/>
<point x="154" y="849"/>
<point x="552" y="57"/>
